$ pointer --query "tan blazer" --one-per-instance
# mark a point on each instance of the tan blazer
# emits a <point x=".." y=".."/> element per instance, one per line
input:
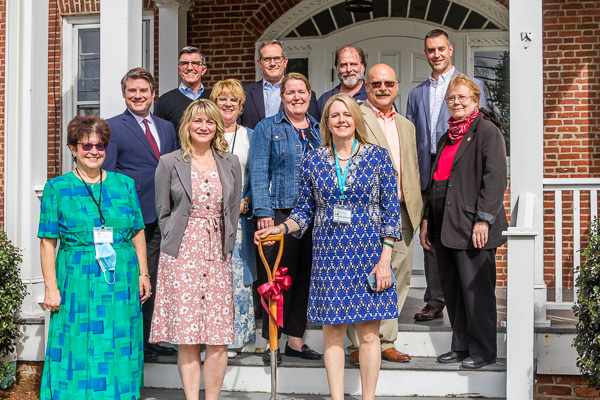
<point x="411" y="185"/>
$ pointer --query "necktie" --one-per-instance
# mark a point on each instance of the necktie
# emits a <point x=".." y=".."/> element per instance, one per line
<point x="151" y="139"/>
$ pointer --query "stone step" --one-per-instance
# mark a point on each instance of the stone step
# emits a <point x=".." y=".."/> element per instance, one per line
<point x="423" y="376"/>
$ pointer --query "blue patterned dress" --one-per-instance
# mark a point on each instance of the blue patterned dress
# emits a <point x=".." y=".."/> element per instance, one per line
<point x="94" y="348"/>
<point x="345" y="254"/>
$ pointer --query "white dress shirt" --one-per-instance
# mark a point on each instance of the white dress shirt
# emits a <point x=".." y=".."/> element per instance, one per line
<point x="437" y="92"/>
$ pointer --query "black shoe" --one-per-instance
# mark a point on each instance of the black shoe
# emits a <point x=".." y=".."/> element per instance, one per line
<point x="307" y="353"/>
<point x="474" y="362"/>
<point x="149" y="354"/>
<point x="159" y="350"/>
<point x="451" y="357"/>
<point x="266" y="357"/>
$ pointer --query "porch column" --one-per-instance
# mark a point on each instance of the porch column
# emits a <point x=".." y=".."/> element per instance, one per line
<point x="120" y="50"/>
<point x="26" y="137"/>
<point x="172" y="36"/>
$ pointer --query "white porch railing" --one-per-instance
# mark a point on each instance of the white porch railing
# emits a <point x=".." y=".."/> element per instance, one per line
<point x="574" y="186"/>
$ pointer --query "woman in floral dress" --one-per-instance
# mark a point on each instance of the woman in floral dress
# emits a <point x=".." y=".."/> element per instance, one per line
<point x="198" y="191"/>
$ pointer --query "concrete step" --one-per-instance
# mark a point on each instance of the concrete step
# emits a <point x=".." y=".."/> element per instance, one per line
<point x="422" y="377"/>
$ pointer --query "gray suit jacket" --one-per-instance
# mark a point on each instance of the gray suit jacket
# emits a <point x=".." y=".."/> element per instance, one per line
<point x="174" y="198"/>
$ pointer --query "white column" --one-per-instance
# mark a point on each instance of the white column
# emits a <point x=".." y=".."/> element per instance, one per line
<point x="120" y="50"/>
<point x="26" y="137"/>
<point x="172" y="36"/>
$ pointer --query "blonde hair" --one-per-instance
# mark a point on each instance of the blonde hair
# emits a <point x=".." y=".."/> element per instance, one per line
<point x="294" y="75"/>
<point x="360" y="132"/>
<point x="228" y="86"/>
<point x="210" y="110"/>
<point x="464" y="80"/>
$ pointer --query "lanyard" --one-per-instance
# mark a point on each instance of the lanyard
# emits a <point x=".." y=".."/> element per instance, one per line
<point x="341" y="178"/>
<point x="234" y="136"/>
<point x="92" y="195"/>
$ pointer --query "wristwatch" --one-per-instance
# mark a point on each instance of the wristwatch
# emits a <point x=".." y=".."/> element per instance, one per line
<point x="246" y="206"/>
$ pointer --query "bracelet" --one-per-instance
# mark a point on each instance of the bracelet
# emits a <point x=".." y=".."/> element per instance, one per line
<point x="388" y="244"/>
<point x="146" y="275"/>
<point x="287" y="230"/>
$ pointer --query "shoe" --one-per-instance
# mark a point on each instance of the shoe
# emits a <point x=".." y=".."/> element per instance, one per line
<point x="451" y="357"/>
<point x="307" y="353"/>
<point x="428" y="313"/>
<point x="354" y="358"/>
<point x="160" y="350"/>
<point x="474" y="362"/>
<point x="394" y="355"/>
<point x="149" y="354"/>
<point x="267" y="357"/>
<point x="231" y="354"/>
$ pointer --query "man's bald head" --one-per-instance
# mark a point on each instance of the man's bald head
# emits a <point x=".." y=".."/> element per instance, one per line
<point x="382" y="87"/>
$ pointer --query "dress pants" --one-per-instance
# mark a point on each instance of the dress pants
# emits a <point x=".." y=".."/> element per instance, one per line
<point x="297" y="258"/>
<point x="152" y="233"/>
<point x="402" y="260"/>
<point x="468" y="280"/>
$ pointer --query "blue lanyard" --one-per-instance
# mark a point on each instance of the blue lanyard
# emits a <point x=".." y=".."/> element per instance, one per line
<point x="341" y="178"/>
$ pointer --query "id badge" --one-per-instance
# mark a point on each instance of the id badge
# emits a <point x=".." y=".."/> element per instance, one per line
<point x="103" y="235"/>
<point x="342" y="214"/>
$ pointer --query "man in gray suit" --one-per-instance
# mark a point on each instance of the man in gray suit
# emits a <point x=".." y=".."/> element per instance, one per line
<point x="427" y="110"/>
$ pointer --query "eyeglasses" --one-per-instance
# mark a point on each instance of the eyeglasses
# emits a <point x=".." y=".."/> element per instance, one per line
<point x="277" y="60"/>
<point x="223" y="100"/>
<point x="387" y="84"/>
<point x="88" y="146"/>
<point x="194" y="64"/>
<point x="461" y="98"/>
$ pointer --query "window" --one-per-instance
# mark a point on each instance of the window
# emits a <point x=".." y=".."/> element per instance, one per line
<point x="87" y="72"/>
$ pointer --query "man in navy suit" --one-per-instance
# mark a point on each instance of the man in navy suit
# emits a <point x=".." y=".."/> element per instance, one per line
<point x="427" y="110"/>
<point x="138" y="140"/>
<point x="263" y="98"/>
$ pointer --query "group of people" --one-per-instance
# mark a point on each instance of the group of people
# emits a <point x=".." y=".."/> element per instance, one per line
<point x="345" y="178"/>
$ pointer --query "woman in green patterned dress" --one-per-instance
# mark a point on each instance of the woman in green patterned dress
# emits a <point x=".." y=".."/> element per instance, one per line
<point x="97" y="281"/>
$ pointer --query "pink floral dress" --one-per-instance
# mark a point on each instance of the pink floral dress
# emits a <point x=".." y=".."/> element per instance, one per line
<point x="194" y="292"/>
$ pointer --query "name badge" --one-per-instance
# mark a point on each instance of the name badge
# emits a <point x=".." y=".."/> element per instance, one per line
<point x="103" y="235"/>
<point x="342" y="214"/>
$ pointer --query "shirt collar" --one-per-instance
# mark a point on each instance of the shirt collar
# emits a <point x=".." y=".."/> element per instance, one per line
<point x="140" y="119"/>
<point x="186" y="90"/>
<point x="362" y="89"/>
<point x="379" y="114"/>
<point x="269" y="85"/>
<point x="442" y="78"/>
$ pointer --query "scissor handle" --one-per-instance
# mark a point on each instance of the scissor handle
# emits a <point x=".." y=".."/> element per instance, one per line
<point x="271" y="238"/>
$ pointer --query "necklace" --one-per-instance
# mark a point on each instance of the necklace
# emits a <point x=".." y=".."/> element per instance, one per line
<point x="92" y="184"/>
<point x="202" y="164"/>
<point x="350" y="156"/>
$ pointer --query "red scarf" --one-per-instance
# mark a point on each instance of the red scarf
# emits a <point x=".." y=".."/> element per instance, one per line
<point x="457" y="129"/>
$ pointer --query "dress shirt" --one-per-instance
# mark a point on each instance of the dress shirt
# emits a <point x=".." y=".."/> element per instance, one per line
<point x="272" y="97"/>
<point x="151" y="125"/>
<point x="390" y="131"/>
<point x="437" y="92"/>
<point x="189" y="92"/>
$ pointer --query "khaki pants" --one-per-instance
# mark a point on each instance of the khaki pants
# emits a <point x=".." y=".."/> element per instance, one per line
<point x="402" y="260"/>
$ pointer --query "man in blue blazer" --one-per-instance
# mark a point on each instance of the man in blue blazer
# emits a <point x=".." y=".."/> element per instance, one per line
<point x="137" y="141"/>
<point x="263" y="98"/>
<point x="426" y="108"/>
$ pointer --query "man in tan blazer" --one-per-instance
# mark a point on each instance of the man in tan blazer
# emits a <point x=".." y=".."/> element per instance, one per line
<point x="395" y="133"/>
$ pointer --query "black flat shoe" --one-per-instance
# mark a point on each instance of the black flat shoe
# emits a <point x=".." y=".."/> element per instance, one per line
<point x="266" y="357"/>
<point x="474" y="362"/>
<point x="160" y="350"/>
<point x="451" y="357"/>
<point x="307" y="353"/>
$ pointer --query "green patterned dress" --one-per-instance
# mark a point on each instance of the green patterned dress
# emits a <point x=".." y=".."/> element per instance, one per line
<point x="94" y="348"/>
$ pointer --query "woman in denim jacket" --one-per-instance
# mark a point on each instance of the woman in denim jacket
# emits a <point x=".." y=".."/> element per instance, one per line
<point x="278" y="145"/>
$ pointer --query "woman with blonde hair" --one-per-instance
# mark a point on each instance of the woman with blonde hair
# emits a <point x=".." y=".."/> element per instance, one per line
<point x="198" y="191"/>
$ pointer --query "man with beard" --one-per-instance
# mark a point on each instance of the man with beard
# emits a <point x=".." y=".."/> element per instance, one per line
<point x="351" y="64"/>
<point x="191" y="67"/>
<point x="396" y="134"/>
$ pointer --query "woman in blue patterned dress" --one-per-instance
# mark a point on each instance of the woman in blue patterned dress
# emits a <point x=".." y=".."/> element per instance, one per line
<point x="94" y="348"/>
<point x="348" y="188"/>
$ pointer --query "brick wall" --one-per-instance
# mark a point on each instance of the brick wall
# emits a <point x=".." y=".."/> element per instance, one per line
<point x="563" y="387"/>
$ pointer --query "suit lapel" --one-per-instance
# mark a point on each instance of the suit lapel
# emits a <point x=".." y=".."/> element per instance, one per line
<point x="258" y="100"/>
<point x="225" y="175"/>
<point x="425" y="97"/>
<point x="374" y="127"/>
<point x="136" y="129"/>
<point x="161" y="136"/>
<point x="184" y="171"/>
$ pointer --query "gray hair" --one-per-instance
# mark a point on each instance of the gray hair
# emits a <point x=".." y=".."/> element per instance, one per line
<point x="193" y="50"/>
<point x="270" y="42"/>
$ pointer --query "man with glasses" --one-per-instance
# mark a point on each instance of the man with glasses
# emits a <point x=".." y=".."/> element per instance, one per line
<point x="390" y="130"/>
<point x="428" y="111"/>
<point x="263" y="98"/>
<point x="191" y="68"/>
<point x="137" y="141"/>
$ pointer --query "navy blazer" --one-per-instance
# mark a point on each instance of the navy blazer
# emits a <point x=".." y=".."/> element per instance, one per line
<point x="254" y="107"/>
<point x="418" y="112"/>
<point x="130" y="153"/>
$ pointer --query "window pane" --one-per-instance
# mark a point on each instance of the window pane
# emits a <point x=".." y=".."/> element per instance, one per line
<point x="88" y="65"/>
<point x="299" y="65"/>
<point x="89" y="109"/>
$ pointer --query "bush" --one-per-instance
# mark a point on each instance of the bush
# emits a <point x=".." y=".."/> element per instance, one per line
<point x="587" y="309"/>
<point x="12" y="293"/>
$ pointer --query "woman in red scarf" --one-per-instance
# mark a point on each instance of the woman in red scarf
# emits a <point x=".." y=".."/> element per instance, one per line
<point x="464" y="220"/>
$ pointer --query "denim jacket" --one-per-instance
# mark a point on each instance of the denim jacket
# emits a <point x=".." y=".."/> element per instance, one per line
<point x="275" y="160"/>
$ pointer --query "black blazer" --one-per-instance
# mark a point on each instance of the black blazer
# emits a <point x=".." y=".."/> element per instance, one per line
<point x="254" y="107"/>
<point x="476" y="186"/>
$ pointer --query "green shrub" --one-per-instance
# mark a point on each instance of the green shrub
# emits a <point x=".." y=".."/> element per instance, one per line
<point x="12" y="293"/>
<point x="587" y="309"/>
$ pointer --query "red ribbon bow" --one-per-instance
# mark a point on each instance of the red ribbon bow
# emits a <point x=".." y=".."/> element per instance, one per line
<point x="273" y="290"/>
